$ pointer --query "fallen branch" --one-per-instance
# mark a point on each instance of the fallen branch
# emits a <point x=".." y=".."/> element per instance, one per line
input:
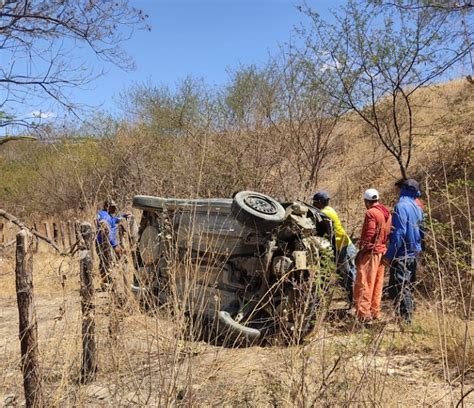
<point x="8" y="244"/>
<point x="21" y="225"/>
<point x="6" y="139"/>
<point x="74" y="248"/>
<point x="461" y="401"/>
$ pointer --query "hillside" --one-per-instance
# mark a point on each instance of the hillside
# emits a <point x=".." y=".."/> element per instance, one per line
<point x="73" y="173"/>
<point x="152" y="357"/>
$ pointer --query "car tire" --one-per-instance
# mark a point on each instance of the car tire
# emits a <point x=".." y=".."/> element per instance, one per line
<point x="257" y="210"/>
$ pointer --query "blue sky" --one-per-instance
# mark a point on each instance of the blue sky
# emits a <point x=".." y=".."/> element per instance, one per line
<point x="201" y="38"/>
<point x="198" y="38"/>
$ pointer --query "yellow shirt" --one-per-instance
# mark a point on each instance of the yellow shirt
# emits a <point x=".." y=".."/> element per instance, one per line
<point x="342" y="239"/>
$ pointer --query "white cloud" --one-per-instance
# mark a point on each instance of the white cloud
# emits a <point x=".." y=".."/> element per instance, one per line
<point x="42" y="115"/>
<point x="330" y="66"/>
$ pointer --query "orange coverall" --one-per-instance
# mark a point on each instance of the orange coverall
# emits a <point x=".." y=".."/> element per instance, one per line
<point x="370" y="269"/>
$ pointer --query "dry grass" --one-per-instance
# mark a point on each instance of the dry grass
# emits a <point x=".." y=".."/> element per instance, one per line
<point x="443" y="118"/>
<point x="151" y="361"/>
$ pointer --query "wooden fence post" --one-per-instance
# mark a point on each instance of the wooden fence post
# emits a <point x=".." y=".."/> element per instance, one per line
<point x="55" y="233"/>
<point x="69" y="234"/>
<point x="77" y="230"/>
<point x="63" y="238"/>
<point x="36" y="240"/>
<point x="32" y="381"/>
<point x="89" y="350"/>
<point x="47" y="230"/>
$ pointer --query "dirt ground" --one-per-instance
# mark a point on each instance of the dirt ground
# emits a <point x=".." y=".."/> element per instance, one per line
<point x="146" y="363"/>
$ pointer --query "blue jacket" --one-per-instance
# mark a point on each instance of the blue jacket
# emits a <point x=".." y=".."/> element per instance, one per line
<point x="112" y="221"/>
<point x="407" y="231"/>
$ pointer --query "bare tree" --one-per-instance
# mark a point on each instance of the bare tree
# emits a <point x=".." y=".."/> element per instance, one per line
<point x="458" y="13"/>
<point x="278" y="117"/>
<point x="450" y="6"/>
<point x="381" y="57"/>
<point x="44" y="46"/>
<point x="310" y="118"/>
<point x="249" y="106"/>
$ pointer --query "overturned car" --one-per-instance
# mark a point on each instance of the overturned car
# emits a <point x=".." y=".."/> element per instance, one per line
<point x="246" y="268"/>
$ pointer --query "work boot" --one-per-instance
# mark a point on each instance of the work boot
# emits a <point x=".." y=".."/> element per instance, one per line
<point x="365" y="321"/>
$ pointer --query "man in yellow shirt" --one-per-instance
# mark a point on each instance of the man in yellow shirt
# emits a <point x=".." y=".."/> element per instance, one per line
<point x="345" y="249"/>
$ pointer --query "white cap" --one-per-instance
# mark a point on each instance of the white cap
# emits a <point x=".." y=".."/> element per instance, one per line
<point x="371" y="194"/>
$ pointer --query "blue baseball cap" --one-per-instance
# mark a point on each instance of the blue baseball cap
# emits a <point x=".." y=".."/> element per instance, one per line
<point x="321" y="196"/>
<point x="408" y="184"/>
<point x="411" y="184"/>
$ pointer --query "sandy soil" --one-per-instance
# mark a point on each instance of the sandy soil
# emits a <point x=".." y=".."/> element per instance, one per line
<point x="147" y="364"/>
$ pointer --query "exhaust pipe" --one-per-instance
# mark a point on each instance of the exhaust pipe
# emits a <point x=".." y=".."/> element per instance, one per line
<point x="226" y="319"/>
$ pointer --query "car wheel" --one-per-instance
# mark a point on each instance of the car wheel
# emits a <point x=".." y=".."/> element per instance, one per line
<point x="257" y="210"/>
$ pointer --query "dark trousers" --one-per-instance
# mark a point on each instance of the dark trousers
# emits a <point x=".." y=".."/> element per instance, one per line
<point x="104" y="252"/>
<point x="346" y="269"/>
<point x="400" y="286"/>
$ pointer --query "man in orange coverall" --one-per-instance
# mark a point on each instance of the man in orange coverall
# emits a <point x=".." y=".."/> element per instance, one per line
<point x="372" y="247"/>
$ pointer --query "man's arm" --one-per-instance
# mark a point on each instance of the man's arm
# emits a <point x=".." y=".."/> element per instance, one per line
<point x="338" y="228"/>
<point x="369" y="230"/>
<point x="421" y="227"/>
<point x="117" y="219"/>
<point x="398" y="232"/>
<point x="120" y="217"/>
<point x="103" y="229"/>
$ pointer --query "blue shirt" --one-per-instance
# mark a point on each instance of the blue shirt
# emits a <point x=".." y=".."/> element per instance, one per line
<point x="407" y="232"/>
<point x="112" y="222"/>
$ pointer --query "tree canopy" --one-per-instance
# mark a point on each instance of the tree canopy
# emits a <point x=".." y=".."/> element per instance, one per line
<point x="45" y="47"/>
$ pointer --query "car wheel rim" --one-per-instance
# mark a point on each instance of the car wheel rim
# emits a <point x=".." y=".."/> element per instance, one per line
<point x="260" y="205"/>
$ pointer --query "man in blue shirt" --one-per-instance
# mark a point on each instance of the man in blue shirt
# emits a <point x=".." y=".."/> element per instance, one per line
<point x="106" y="243"/>
<point x="405" y="245"/>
